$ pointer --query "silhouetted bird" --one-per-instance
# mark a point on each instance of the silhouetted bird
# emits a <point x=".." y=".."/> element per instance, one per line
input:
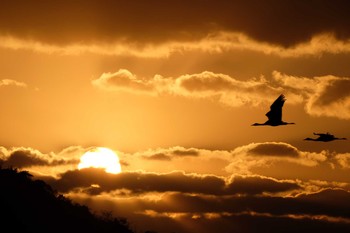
<point x="324" y="137"/>
<point x="275" y="114"/>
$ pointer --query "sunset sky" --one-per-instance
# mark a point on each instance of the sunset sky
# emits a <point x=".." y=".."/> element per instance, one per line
<point x="173" y="87"/>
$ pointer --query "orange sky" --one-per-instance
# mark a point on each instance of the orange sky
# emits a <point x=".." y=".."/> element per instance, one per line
<point x="173" y="87"/>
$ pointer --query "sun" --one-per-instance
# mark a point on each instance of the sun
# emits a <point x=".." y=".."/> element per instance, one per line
<point x="101" y="157"/>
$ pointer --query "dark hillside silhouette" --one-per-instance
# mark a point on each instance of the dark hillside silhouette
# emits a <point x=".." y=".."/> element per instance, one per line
<point x="28" y="205"/>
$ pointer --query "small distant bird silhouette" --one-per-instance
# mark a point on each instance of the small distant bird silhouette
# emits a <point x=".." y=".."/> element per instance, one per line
<point x="324" y="137"/>
<point x="275" y="114"/>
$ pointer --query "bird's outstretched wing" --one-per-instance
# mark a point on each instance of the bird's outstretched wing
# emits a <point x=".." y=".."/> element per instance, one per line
<point x="275" y="113"/>
<point x="324" y="134"/>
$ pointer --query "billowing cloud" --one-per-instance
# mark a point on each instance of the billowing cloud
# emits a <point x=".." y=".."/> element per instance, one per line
<point x="323" y="96"/>
<point x="264" y="154"/>
<point x="228" y="90"/>
<point x="343" y="160"/>
<point x="123" y="80"/>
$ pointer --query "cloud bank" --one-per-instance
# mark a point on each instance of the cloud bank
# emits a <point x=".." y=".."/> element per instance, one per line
<point x="156" y="21"/>
<point x="171" y="199"/>
<point x="157" y="29"/>
<point x="322" y="96"/>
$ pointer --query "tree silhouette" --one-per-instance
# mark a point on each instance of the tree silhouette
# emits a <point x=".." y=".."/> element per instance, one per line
<point x="28" y="205"/>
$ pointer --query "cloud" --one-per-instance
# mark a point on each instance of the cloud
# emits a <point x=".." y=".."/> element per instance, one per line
<point x="164" y="160"/>
<point x="27" y="157"/>
<point x="141" y="183"/>
<point x="273" y="149"/>
<point x="157" y="22"/>
<point x="226" y="89"/>
<point x="326" y="209"/>
<point x="122" y="80"/>
<point x="343" y="160"/>
<point x="154" y="29"/>
<point x="249" y="222"/>
<point x="159" y="156"/>
<point x="218" y="42"/>
<point x="303" y="204"/>
<point x="10" y="82"/>
<point x="324" y="95"/>
<point x="255" y="184"/>
<point x="137" y="182"/>
<point x="272" y="159"/>
<point x="265" y="154"/>
<point x="170" y="154"/>
<point x="331" y="99"/>
<point x="42" y="165"/>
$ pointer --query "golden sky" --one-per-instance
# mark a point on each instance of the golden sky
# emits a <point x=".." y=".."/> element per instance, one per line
<point x="173" y="88"/>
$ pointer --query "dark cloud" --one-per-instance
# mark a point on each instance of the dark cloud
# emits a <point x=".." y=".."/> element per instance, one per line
<point x="24" y="158"/>
<point x="325" y="209"/>
<point x="274" y="149"/>
<point x="329" y="202"/>
<point x="171" y="153"/>
<point x="243" y="222"/>
<point x="331" y="99"/>
<point x="158" y="156"/>
<point x="137" y="182"/>
<point x="186" y="152"/>
<point x="140" y="182"/>
<point x="324" y="96"/>
<point x="257" y="185"/>
<point x="254" y="155"/>
<point x="279" y="22"/>
<point x="335" y="90"/>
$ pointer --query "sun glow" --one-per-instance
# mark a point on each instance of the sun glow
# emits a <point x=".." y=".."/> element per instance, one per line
<point x="101" y="157"/>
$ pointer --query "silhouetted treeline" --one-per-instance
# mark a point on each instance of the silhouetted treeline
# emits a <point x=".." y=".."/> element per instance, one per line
<point x="28" y="205"/>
